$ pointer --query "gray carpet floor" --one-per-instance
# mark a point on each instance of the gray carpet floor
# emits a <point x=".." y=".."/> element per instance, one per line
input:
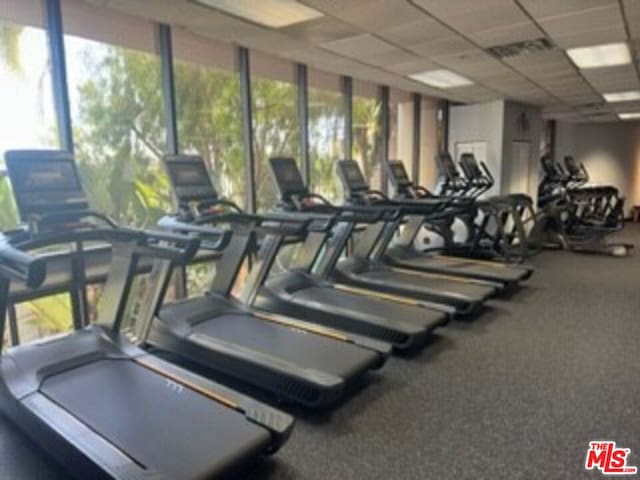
<point x="516" y="394"/>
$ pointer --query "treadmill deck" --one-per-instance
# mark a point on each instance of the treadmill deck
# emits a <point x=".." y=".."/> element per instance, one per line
<point x="161" y="425"/>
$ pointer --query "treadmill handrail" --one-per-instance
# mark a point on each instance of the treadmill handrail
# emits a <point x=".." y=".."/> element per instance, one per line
<point x="148" y="242"/>
<point x="18" y="265"/>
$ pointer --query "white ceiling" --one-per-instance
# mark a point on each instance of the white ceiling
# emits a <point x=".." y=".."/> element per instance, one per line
<point x="386" y="40"/>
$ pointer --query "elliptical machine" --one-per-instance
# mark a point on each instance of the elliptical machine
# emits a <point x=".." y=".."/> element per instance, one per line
<point x="567" y="213"/>
<point x="496" y="228"/>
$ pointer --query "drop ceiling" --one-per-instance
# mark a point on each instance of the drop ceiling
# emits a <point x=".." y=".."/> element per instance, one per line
<point x="386" y="41"/>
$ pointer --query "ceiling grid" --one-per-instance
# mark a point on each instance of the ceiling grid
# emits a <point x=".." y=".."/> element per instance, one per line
<point x="396" y="41"/>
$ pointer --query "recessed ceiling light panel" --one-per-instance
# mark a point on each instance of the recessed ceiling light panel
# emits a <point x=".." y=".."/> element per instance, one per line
<point x="441" y="79"/>
<point x="629" y="96"/>
<point x="629" y="116"/>
<point x="598" y="56"/>
<point x="270" y="13"/>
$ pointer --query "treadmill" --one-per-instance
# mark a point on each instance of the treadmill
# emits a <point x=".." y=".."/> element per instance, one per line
<point x="292" y="359"/>
<point x="361" y="268"/>
<point x="91" y="399"/>
<point x="291" y="296"/>
<point x="402" y="252"/>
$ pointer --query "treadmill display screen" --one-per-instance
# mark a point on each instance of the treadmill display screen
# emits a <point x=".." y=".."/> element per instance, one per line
<point x="448" y="166"/>
<point x="45" y="182"/>
<point x="190" y="175"/>
<point x="571" y="164"/>
<point x="353" y="175"/>
<point x="287" y="176"/>
<point x="399" y="173"/>
<point x="44" y="177"/>
<point x="190" y="179"/>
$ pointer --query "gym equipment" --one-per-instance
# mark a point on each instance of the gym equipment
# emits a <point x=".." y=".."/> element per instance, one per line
<point x="362" y="267"/>
<point x="293" y="359"/>
<point x="92" y="399"/>
<point x="567" y="219"/>
<point x="498" y="227"/>
<point x="401" y="250"/>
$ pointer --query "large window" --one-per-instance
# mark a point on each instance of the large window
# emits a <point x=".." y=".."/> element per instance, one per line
<point x="326" y="133"/>
<point x="117" y="114"/>
<point x="276" y="127"/>
<point x="366" y="132"/>
<point x="209" y="111"/>
<point x="27" y="118"/>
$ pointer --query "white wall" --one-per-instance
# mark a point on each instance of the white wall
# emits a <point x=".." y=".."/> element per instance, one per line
<point x="480" y="122"/>
<point x="609" y="151"/>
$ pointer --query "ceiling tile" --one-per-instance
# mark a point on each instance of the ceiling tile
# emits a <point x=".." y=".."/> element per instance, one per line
<point x="506" y="34"/>
<point x="359" y="46"/>
<point x="464" y="59"/>
<point x="548" y="8"/>
<point x="491" y="16"/>
<point x="415" y="66"/>
<point x="442" y="8"/>
<point x="379" y="14"/>
<point x="387" y="58"/>
<point x="594" y="36"/>
<point x="445" y="46"/>
<point x="619" y="72"/>
<point x="584" y="21"/>
<point x="418" y="31"/>
<point x="485" y="70"/>
<point x="625" y="107"/>
<point x="321" y="30"/>
<point x="333" y="6"/>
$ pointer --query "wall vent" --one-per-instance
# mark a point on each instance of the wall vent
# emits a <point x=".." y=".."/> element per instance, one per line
<point x="520" y="48"/>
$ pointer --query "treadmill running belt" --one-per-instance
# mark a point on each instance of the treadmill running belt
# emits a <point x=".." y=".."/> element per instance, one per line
<point x="164" y="427"/>
<point x="307" y="351"/>
<point x="379" y="312"/>
<point x="416" y="284"/>
<point x="464" y="267"/>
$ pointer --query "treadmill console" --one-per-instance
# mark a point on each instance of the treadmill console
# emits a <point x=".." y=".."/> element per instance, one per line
<point x="447" y="167"/>
<point x="351" y="176"/>
<point x="190" y="179"/>
<point x="45" y="182"/>
<point x="571" y="165"/>
<point x="470" y="164"/>
<point x="399" y="175"/>
<point x="288" y="178"/>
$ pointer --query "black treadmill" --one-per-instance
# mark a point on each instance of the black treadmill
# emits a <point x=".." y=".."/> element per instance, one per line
<point x="95" y="402"/>
<point x="361" y="268"/>
<point x="293" y="359"/>
<point x="402" y="252"/>
<point x="296" y="291"/>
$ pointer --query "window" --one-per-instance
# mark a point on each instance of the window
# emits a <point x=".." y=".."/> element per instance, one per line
<point x="209" y="111"/>
<point x="43" y="317"/>
<point x="276" y="127"/>
<point x="326" y="133"/>
<point x="117" y="112"/>
<point x="366" y="132"/>
<point x="27" y="117"/>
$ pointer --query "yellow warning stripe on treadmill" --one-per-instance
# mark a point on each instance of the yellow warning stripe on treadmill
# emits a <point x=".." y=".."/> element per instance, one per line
<point x="383" y="296"/>
<point x="197" y="388"/>
<point x="294" y="324"/>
